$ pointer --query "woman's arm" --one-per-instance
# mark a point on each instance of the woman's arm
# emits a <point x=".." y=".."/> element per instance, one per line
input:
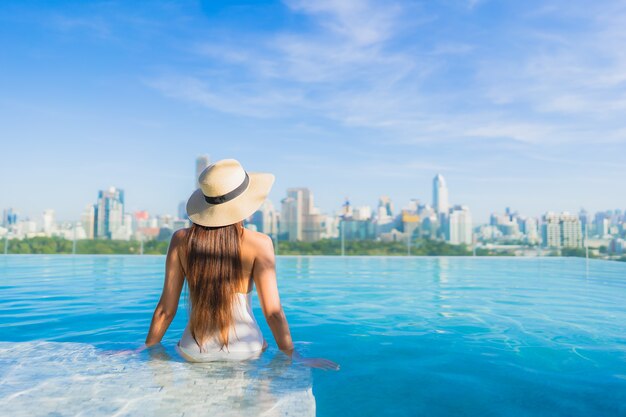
<point x="264" y="274"/>
<point x="165" y="310"/>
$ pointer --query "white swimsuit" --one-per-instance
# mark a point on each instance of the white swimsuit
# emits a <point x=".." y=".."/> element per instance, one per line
<point x="245" y="340"/>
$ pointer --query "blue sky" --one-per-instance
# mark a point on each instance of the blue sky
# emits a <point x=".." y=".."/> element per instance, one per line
<point x="519" y="104"/>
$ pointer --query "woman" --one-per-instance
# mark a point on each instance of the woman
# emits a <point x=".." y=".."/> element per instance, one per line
<point x="222" y="262"/>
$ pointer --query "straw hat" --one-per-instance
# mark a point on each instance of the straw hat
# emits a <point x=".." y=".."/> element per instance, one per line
<point x="227" y="194"/>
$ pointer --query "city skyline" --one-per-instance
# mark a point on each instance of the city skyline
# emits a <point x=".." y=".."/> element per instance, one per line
<point x="112" y="200"/>
<point x="517" y="104"/>
<point x="203" y="160"/>
<point x="300" y="220"/>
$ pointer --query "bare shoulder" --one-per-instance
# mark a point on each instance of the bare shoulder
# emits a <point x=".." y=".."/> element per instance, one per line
<point x="179" y="237"/>
<point x="260" y="243"/>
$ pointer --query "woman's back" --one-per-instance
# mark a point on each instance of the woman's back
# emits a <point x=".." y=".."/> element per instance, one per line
<point x="221" y="262"/>
<point x="245" y="339"/>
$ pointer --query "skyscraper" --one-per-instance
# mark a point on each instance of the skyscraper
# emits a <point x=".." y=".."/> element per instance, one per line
<point x="182" y="210"/>
<point x="585" y="220"/>
<point x="551" y="230"/>
<point x="459" y="226"/>
<point x="440" y="195"/>
<point x="571" y="231"/>
<point x="88" y="220"/>
<point x="385" y="206"/>
<point x="529" y="228"/>
<point x="109" y="215"/>
<point x="300" y="219"/>
<point x="265" y="218"/>
<point x="564" y="230"/>
<point x="602" y="224"/>
<point x="346" y="211"/>
<point x="291" y="218"/>
<point x="9" y="217"/>
<point x="49" y="223"/>
<point x="201" y="163"/>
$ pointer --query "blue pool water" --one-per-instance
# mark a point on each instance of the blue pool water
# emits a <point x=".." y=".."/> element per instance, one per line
<point x="413" y="336"/>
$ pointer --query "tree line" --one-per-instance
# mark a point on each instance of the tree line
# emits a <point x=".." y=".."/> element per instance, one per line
<point x="419" y="247"/>
<point x="58" y="245"/>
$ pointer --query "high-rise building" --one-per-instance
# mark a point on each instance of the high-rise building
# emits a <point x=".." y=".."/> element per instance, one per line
<point x="88" y="220"/>
<point x="551" y="230"/>
<point x="346" y="209"/>
<point x="291" y="218"/>
<point x="410" y="222"/>
<point x="165" y="220"/>
<point x="265" y="219"/>
<point x="330" y="226"/>
<point x="49" y="222"/>
<point x="300" y="220"/>
<point x="109" y="213"/>
<point x="564" y="230"/>
<point x="362" y="213"/>
<point x="571" y="231"/>
<point x="9" y="217"/>
<point x="440" y="195"/>
<point x="125" y="230"/>
<point x="529" y="228"/>
<point x="459" y="226"/>
<point x="182" y="210"/>
<point x="429" y="223"/>
<point x="413" y="205"/>
<point x="585" y="220"/>
<point x="385" y="207"/>
<point x="26" y="228"/>
<point x="510" y="224"/>
<point x="602" y="224"/>
<point x="201" y="163"/>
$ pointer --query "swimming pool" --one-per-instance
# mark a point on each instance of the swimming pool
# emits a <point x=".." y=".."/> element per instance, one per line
<point x="413" y="336"/>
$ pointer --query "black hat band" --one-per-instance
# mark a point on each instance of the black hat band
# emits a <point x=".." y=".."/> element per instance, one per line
<point x="229" y="195"/>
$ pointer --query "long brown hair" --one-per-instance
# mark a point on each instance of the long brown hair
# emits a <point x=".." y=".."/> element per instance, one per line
<point x="214" y="272"/>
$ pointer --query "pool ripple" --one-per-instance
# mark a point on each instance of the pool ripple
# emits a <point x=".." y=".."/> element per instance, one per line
<point x="414" y="336"/>
<point x="72" y="379"/>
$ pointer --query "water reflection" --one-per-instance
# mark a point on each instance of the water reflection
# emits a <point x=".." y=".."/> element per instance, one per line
<point x="297" y="267"/>
<point x="75" y="378"/>
<point x="441" y="270"/>
<point x="443" y="294"/>
<point x="268" y="386"/>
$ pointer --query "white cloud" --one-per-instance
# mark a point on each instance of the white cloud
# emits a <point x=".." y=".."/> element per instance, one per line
<point x="358" y="65"/>
<point x="358" y="21"/>
<point x="261" y="105"/>
<point x="577" y="74"/>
